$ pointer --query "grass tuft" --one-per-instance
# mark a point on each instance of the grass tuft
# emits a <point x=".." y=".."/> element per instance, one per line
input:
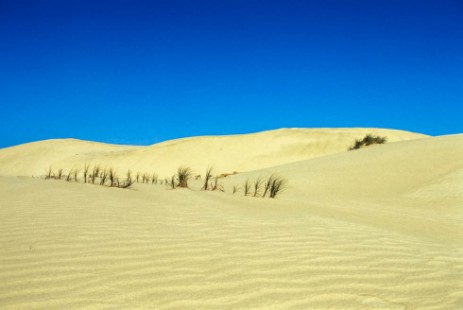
<point x="86" y="169"/>
<point x="246" y="187"/>
<point x="49" y="174"/>
<point x="184" y="174"/>
<point x="258" y="186"/>
<point x="95" y="173"/>
<point x="207" y="178"/>
<point x="278" y="184"/>
<point x="128" y="180"/>
<point x="59" y="174"/>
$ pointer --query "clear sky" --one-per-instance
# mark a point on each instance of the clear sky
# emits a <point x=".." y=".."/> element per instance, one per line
<point x="140" y="72"/>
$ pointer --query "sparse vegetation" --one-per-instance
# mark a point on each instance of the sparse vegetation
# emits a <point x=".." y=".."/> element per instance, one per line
<point x="49" y="174"/>
<point x="112" y="176"/>
<point x="216" y="186"/>
<point x="172" y="182"/>
<point x="277" y="185"/>
<point x="75" y="174"/>
<point x="272" y="186"/>
<point x="103" y="177"/>
<point x="68" y="176"/>
<point x="257" y="186"/>
<point x="268" y="184"/>
<point x="154" y="179"/>
<point x="95" y="173"/>
<point x="86" y="169"/>
<point x="207" y="178"/>
<point x="59" y="174"/>
<point x="246" y="187"/>
<point x="128" y="180"/>
<point x="367" y="141"/>
<point x="184" y="174"/>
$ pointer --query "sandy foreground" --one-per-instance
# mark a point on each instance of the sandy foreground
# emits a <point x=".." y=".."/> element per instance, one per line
<point x="377" y="228"/>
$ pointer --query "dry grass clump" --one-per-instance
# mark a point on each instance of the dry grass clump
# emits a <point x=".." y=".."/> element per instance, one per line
<point x="257" y="186"/>
<point x="49" y="174"/>
<point x="112" y="176"/>
<point x="95" y="173"/>
<point x="103" y="176"/>
<point x="261" y="187"/>
<point x="184" y="174"/>
<point x="128" y="180"/>
<point x="277" y="185"/>
<point x="86" y="169"/>
<point x="207" y="178"/>
<point x="246" y="187"/>
<point x="59" y="174"/>
<point x="68" y="176"/>
<point x="154" y="179"/>
<point x="367" y="141"/>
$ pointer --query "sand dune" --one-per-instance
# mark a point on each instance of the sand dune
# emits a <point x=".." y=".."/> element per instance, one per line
<point x="225" y="153"/>
<point x="378" y="228"/>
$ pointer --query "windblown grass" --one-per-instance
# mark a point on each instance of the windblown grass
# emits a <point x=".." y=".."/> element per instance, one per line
<point x="277" y="185"/>
<point x="103" y="176"/>
<point x="154" y="179"/>
<point x="184" y="174"/>
<point x="95" y="173"/>
<point x="112" y="176"/>
<point x="257" y="186"/>
<point x="68" y="176"/>
<point x="246" y="187"/>
<point x="59" y="174"/>
<point x="75" y="174"/>
<point x="86" y="169"/>
<point x="49" y="174"/>
<point x="128" y="180"/>
<point x="172" y="182"/>
<point x="207" y="178"/>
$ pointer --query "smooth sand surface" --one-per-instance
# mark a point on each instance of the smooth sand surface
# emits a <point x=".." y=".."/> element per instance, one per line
<point x="377" y="228"/>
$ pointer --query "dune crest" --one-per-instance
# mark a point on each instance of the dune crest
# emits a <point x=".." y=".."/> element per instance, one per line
<point x="226" y="153"/>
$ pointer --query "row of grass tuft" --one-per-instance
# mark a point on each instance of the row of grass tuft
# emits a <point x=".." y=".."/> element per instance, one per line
<point x="260" y="187"/>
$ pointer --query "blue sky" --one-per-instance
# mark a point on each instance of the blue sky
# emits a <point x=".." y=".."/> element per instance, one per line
<point x="140" y="72"/>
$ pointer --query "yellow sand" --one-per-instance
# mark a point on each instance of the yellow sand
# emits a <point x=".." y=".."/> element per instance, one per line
<point x="378" y="228"/>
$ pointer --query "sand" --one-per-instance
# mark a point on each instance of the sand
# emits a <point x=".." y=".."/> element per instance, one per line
<point x="377" y="228"/>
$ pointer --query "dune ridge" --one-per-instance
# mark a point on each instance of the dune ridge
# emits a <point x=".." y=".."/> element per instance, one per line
<point x="226" y="153"/>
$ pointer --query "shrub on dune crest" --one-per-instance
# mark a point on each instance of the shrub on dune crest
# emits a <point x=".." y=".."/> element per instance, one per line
<point x="367" y="141"/>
